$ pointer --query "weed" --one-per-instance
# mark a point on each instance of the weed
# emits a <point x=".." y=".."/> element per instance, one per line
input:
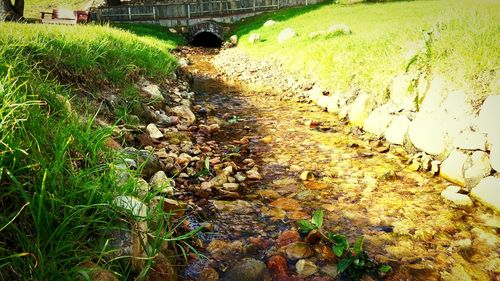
<point x="354" y="261"/>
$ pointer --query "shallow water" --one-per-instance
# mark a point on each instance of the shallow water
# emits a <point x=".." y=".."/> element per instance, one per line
<point x="364" y="188"/>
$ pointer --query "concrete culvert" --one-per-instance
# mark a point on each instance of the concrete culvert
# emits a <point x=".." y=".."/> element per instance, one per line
<point x="206" y="39"/>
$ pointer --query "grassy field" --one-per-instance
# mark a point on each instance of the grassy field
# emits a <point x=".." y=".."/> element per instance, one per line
<point x="55" y="176"/>
<point x="464" y="47"/>
<point x="34" y="7"/>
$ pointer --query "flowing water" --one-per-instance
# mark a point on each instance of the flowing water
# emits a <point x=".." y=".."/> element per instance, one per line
<point x="363" y="186"/>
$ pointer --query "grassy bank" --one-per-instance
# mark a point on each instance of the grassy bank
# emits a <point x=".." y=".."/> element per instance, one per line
<point x="55" y="178"/>
<point x="464" y="48"/>
<point x="34" y="7"/>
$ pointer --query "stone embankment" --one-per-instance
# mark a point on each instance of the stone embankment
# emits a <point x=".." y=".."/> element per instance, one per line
<point x="446" y="133"/>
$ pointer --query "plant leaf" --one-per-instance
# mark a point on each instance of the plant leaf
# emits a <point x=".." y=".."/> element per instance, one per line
<point x="357" y="247"/>
<point x="317" y="218"/>
<point x="344" y="264"/>
<point x="338" y="250"/>
<point x="305" y="226"/>
<point x="339" y="239"/>
<point x="385" y="268"/>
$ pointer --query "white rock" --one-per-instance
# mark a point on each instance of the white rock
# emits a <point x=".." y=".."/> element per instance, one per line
<point x="160" y="182"/>
<point x="233" y="39"/>
<point x="269" y="23"/>
<point x="184" y="113"/>
<point x="488" y="192"/>
<point x="489" y="115"/>
<point x="427" y="133"/>
<point x="452" y="167"/>
<point x="254" y="38"/>
<point x="339" y="29"/>
<point x="399" y="89"/>
<point x="305" y="268"/>
<point x="495" y="157"/>
<point x="378" y="120"/>
<point x="477" y="168"/>
<point x="359" y="110"/>
<point x="154" y="132"/>
<point x="323" y="101"/>
<point x="131" y="204"/>
<point x="396" y="131"/>
<point x="153" y="91"/>
<point x="457" y="104"/>
<point x="470" y="140"/>
<point x="183" y="62"/>
<point x="435" y="95"/>
<point x="286" y="34"/>
<point x="451" y="194"/>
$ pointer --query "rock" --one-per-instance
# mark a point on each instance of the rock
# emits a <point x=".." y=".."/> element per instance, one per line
<point x="233" y="40"/>
<point x="470" y="140"/>
<point x="286" y="204"/>
<point x="488" y="192"/>
<point x="360" y="109"/>
<point x="253" y="174"/>
<point x="339" y="29"/>
<point x="240" y="177"/>
<point x="489" y="115"/>
<point x="451" y="194"/>
<point x="183" y="62"/>
<point x="286" y="34"/>
<point x="172" y="30"/>
<point x="254" y="38"/>
<point x="208" y="274"/>
<point x="238" y="206"/>
<point x="142" y="187"/>
<point x="132" y="205"/>
<point x="399" y="89"/>
<point x="427" y="133"/>
<point x="397" y="129"/>
<point x="287" y="237"/>
<point x="184" y="113"/>
<point x="220" y="249"/>
<point x="219" y="180"/>
<point x="246" y="270"/>
<point x="230" y="186"/>
<point x="278" y="266"/>
<point x="160" y="182"/>
<point x="378" y="120"/>
<point x="162" y="269"/>
<point x="97" y="273"/>
<point x="148" y="161"/>
<point x="452" y="167"/>
<point x="174" y="207"/>
<point x="298" y="250"/>
<point x="330" y="270"/>
<point x="434" y="96"/>
<point x="269" y="23"/>
<point x="305" y="268"/>
<point x="154" y="132"/>
<point x="494" y="142"/>
<point x="154" y="92"/>
<point x="476" y="168"/>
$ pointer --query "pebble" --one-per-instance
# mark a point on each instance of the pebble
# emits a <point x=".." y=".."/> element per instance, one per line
<point x="305" y="268"/>
<point x="298" y="250"/>
<point x="253" y="174"/>
<point x="154" y="132"/>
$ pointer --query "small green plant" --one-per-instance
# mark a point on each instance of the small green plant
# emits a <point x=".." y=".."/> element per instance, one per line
<point x="235" y="119"/>
<point x="354" y="261"/>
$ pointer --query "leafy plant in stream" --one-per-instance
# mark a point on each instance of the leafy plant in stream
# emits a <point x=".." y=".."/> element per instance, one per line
<point x="354" y="262"/>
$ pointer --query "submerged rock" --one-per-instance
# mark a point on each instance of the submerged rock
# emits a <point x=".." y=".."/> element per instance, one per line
<point x="246" y="270"/>
<point x="305" y="268"/>
<point x="298" y="250"/>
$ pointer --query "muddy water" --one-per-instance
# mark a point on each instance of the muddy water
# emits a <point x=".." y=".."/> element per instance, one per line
<point x="363" y="186"/>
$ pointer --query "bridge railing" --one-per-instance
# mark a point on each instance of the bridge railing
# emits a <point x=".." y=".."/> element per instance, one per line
<point x="197" y="9"/>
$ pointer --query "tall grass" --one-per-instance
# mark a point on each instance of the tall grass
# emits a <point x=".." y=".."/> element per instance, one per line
<point x="467" y="51"/>
<point x="56" y="184"/>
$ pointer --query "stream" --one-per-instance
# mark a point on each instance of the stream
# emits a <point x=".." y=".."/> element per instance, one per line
<point x="310" y="160"/>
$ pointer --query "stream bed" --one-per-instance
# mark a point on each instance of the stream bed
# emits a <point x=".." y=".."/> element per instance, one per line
<point x="308" y="160"/>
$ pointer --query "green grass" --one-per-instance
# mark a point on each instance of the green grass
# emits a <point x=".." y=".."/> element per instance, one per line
<point x="33" y="8"/>
<point x="56" y="183"/>
<point x="467" y="51"/>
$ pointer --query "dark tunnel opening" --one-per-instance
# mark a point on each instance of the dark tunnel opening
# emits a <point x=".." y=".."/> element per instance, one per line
<point x="206" y="39"/>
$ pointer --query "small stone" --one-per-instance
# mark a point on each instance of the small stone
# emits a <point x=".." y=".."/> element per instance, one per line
<point x="305" y="268"/>
<point x="330" y="270"/>
<point x="286" y="34"/>
<point x="176" y="208"/>
<point x="451" y="194"/>
<point x="253" y="174"/>
<point x="184" y="113"/>
<point x="307" y="176"/>
<point x="160" y="182"/>
<point x="154" y="132"/>
<point x="286" y="204"/>
<point x="142" y="187"/>
<point x="488" y="192"/>
<point x="378" y="120"/>
<point x="278" y="266"/>
<point x="476" y="168"/>
<point x="240" y="177"/>
<point x="97" y="273"/>
<point x="219" y="180"/>
<point x="495" y="155"/>
<point x="233" y="40"/>
<point x="238" y="206"/>
<point x="298" y="250"/>
<point x="247" y="269"/>
<point x="428" y="133"/>
<point x="269" y="23"/>
<point x="154" y="92"/>
<point x="230" y="186"/>
<point x="287" y="237"/>
<point x="254" y="38"/>
<point x="220" y="249"/>
<point x="470" y="140"/>
<point x="208" y="274"/>
<point x="360" y="109"/>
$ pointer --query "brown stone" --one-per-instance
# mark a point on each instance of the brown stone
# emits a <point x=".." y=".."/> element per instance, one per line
<point x="278" y="266"/>
<point x="298" y="250"/>
<point x="111" y="143"/>
<point x="287" y="237"/>
<point x="286" y="204"/>
<point x="97" y="273"/>
<point x="324" y="252"/>
<point x="313" y="237"/>
<point x="208" y="274"/>
<point x="162" y="270"/>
